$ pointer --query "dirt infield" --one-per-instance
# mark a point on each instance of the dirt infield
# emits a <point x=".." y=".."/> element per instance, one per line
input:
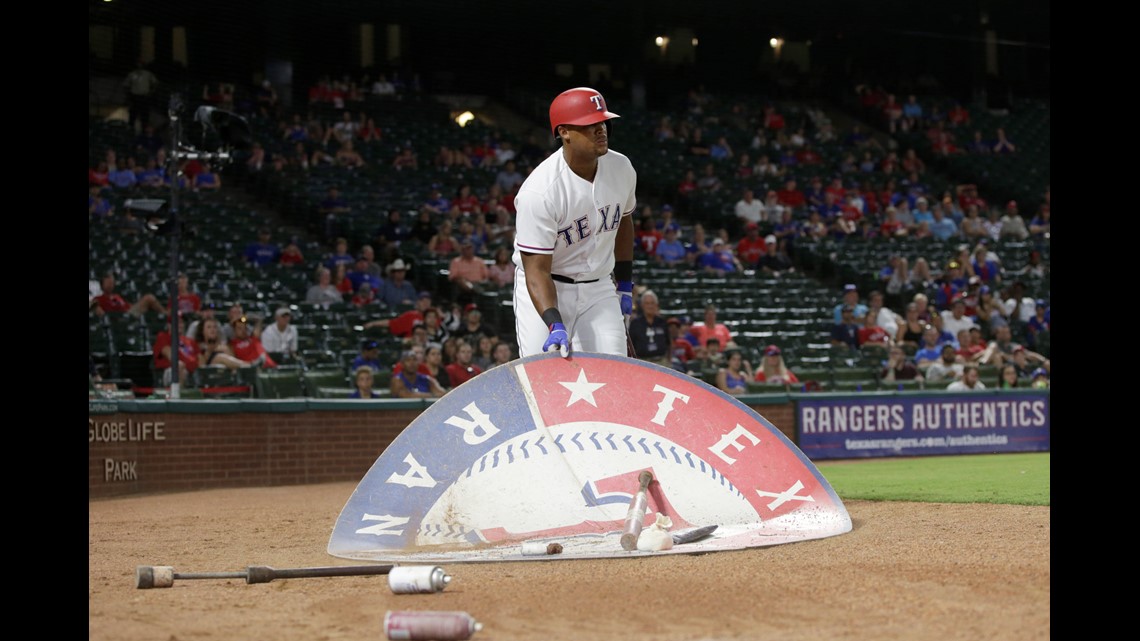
<point x="907" y="571"/>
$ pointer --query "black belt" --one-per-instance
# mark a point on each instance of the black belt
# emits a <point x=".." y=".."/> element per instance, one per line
<point x="562" y="279"/>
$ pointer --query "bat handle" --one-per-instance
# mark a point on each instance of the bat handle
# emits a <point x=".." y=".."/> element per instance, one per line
<point x="636" y="515"/>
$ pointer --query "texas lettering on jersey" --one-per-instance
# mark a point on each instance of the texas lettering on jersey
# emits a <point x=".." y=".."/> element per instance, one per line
<point x="547" y="446"/>
<point x="580" y="229"/>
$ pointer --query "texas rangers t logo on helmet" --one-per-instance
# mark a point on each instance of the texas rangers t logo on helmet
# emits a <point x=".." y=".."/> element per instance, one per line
<point x="599" y="102"/>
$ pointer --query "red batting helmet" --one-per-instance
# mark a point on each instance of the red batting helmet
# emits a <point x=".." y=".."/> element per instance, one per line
<point x="578" y="106"/>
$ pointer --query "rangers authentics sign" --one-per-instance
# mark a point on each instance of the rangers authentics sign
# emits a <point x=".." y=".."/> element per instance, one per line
<point x="550" y="449"/>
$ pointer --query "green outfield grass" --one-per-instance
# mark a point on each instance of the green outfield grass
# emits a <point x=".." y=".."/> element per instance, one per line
<point x="1015" y="479"/>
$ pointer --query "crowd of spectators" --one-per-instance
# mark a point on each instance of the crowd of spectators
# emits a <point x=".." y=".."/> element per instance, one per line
<point x="792" y="194"/>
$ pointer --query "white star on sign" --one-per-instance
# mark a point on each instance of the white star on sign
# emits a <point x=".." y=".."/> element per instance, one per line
<point x="581" y="390"/>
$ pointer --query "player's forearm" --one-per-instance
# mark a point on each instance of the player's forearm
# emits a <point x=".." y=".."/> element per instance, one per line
<point x="539" y="284"/>
<point x="623" y="245"/>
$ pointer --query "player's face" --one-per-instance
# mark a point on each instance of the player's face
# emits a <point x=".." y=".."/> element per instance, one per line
<point x="588" y="138"/>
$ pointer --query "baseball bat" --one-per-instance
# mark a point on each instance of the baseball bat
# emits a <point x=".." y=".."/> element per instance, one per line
<point x="636" y="514"/>
<point x="629" y="349"/>
<point x="163" y="576"/>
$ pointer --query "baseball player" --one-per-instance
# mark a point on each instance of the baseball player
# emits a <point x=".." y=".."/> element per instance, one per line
<point x="574" y="236"/>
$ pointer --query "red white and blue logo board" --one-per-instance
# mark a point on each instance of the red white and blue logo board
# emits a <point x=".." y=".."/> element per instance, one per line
<point x="549" y="449"/>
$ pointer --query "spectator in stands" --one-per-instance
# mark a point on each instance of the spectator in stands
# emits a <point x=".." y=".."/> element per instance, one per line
<point x="790" y="196"/>
<point x="899" y="367"/>
<point x="247" y="346"/>
<point x="471" y="326"/>
<point x="709" y="182"/>
<point x="949" y="284"/>
<point x="1018" y="306"/>
<point x="188" y="300"/>
<point x="733" y="377"/>
<point x="433" y="363"/>
<point x="207" y="179"/>
<point x="363" y="380"/>
<point x="396" y="290"/>
<point x="930" y="349"/>
<point x="501" y="354"/>
<point x="99" y="175"/>
<point x="990" y="310"/>
<point x="721" y="150"/>
<point x="748" y="209"/>
<point x="484" y="349"/>
<point x="1038" y="325"/>
<point x="891" y="226"/>
<point x="1024" y="360"/>
<point x="969" y="381"/>
<point x="262" y="251"/>
<point x="846" y="331"/>
<point x="213" y="348"/>
<point x="369" y="356"/>
<point x="444" y="243"/>
<point x="508" y="178"/>
<point x="364" y="296"/>
<point x="973" y="226"/>
<point x="955" y="319"/>
<point x="467" y="273"/>
<point x="910" y="330"/>
<point x="291" y="255"/>
<point x="850" y="299"/>
<point x="773" y="369"/>
<point x="406" y="159"/>
<point x="884" y="316"/>
<point x="775" y="260"/>
<point x="992" y="224"/>
<point x="323" y="293"/>
<point x="344" y="130"/>
<point x="985" y="268"/>
<point x="698" y="246"/>
<point x="649" y="331"/>
<point x="1012" y="224"/>
<point x="968" y="349"/>
<point x="501" y="272"/>
<point x="670" y="251"/>
<point x="1005" y="346"/>
<point x="711" y="328"/>
<point x="187" y="353"/>
<point x="912" y="114"/>
<point x="1039" y="379"/>
<point x="370" y="132"/>
<point x="719" y="259"/>
<point x="123" y="178"/>
<point x="348" y="157"/>
<point x="958" y="116"/>
<point x="872" y="338"/>
<point x="112" y="301"/>
<point x="1039" y="226"/>
<point x="751" y="246"/>
<point x="949" y="366"/>
<point x="433" y="326"/>
<point x="463" y="368"/>
<point x="1033" y="267"/>
<point x="1008" y="378"/>
<point x="281" y="337"/>
<point x="647" y="235"/>
<point x="411" y="383"/>
<point x="362" y="273"/>
<point x="941" y="227"/>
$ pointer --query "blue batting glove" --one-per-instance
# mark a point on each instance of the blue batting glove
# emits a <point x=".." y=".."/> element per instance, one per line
<point x="625" y="291"/>
<point x="558" y="338"/>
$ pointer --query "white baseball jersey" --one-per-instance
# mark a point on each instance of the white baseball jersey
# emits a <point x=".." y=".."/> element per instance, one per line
<point x="560" y="213"/>
<point x="575" y="222"/>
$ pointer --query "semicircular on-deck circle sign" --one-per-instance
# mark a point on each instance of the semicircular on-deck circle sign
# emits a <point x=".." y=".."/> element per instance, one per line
<point x="546" y="448"/>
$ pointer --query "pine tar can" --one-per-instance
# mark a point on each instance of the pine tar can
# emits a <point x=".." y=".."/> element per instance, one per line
<point x="417" y="579"/>
<point x="437" y="625"/>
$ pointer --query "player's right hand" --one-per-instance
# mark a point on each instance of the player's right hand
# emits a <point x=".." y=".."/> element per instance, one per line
<point x="558" y="338"/>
